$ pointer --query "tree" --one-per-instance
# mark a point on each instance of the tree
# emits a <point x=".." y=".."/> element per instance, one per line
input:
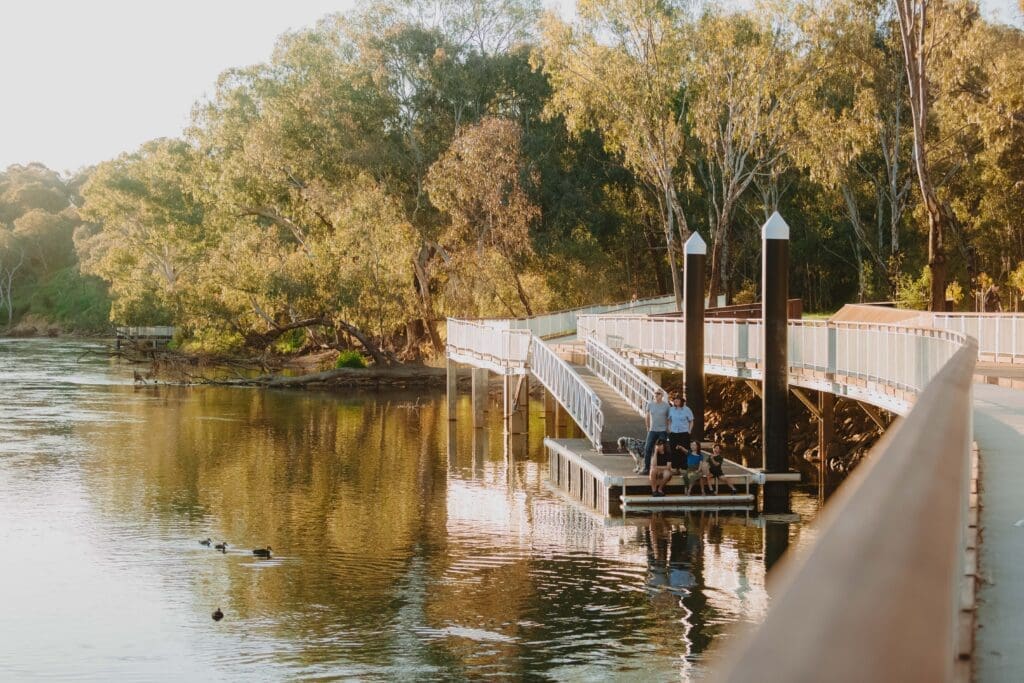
<point x="743" y="86"/>
<point x="914" y="24"/>
<point x="478" y="183"/>
<point x="12" y="258"/>
<point x="617" y="71"/>
<point x="152" y="236"/>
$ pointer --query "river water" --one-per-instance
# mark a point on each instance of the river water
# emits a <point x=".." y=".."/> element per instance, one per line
<point x="404" y="548"/>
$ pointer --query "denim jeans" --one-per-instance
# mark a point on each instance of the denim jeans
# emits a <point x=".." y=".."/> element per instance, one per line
<point x="649" y="447"/>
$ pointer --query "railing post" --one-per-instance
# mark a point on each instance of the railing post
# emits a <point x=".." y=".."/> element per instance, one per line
<point x="693" y="292"/>
<point x="774" y="295"/>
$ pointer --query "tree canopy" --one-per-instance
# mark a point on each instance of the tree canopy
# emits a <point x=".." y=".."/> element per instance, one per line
<point x="409" y="161"/>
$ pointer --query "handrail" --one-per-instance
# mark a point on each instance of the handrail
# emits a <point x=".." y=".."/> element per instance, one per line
<point x="569" y="389"/>
<point x="884" y="573"/>
<point x="898" y="357"/>
<point x="1000" y="335"/>
<point x="144" y="331"/>
<point x="501" y="348"/>
<point x="564" y="322"/>
<point x="621" y="375"/>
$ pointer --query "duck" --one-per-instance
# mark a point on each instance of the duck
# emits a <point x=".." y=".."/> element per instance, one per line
<point x="217" y="614"/>
<point x="207" y="543"/>
<point x="222" y="546"/>
<point x="262" y="552"/>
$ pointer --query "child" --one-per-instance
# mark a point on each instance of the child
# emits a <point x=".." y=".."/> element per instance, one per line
<point x="715" y="470"/>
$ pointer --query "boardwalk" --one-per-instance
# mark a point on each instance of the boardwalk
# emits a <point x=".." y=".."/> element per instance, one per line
<point x="620" y="418"/>
<point x="999" y="431"/>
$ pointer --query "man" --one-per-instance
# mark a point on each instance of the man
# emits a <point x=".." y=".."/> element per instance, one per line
<point x="656" y="417"/>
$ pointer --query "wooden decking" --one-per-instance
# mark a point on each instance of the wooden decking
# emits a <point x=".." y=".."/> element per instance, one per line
<point x="606" y="483"/>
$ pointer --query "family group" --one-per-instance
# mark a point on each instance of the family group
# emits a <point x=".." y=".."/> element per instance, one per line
<point x="668" y="450"/>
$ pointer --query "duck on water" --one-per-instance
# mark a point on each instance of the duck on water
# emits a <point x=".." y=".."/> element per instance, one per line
<point x="262" y="552"/>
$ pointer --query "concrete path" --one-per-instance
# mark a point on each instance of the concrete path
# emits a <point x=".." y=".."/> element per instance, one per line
<point x="999" y="432"/>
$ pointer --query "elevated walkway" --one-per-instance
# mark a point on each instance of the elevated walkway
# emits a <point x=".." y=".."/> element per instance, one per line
<point x="620" y="418"/>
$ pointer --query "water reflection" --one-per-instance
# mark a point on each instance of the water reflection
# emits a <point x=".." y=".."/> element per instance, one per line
<point x="406" y="545"/>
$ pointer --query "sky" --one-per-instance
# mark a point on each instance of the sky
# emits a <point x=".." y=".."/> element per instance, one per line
<point x="82" y="81"/>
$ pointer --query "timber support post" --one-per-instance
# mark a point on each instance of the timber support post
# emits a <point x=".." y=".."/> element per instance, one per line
<point x="452" y="387"/>
<point x="826" y="432"/>
<point x="516" y="402"/>
<point x="479" y="378"/>
<point x="774" y="296"/>
<point x="696" y="252"/>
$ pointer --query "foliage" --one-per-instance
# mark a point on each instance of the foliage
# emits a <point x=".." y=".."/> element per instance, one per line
<point x="350" y="359"/>
<point x="914" y="293"/>
<point x="397" y="164"/>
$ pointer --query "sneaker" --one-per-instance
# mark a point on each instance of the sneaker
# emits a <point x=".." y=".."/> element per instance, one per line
<point x="658" y="494"/>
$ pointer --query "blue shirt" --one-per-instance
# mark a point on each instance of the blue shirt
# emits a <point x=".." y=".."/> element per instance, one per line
<point x="680" y="419"/>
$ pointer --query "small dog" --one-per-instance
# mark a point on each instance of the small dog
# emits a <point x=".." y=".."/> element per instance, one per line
<point x="635" y="447"/>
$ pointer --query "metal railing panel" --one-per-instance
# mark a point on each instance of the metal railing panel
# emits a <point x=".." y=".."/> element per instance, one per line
<point x="569" y="389"/>
<point x="621" y="375"/>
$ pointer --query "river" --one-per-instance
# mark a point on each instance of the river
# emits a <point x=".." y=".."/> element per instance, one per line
<point x="403" y="548"/>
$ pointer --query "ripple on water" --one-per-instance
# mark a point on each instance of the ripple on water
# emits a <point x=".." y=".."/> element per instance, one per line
<point x="395" y="557"/>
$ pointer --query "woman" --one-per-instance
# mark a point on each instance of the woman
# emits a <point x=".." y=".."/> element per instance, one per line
<point x="697" y="464"/>
<point x="661" y="468"/>
<point x="717" y="460"/>
<point x="680" y="419"/>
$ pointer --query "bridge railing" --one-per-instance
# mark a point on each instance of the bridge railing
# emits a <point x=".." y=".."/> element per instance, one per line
<point x="564" y="322"/>
<point x="151" y="332"/>
<point x="999" y="335"/>
<point x="569" y="389"/>
<point x="621" y="375"/>
<point x="502" y="349"/>
<point x="896" y="357"/>
<point x="893" y="536"/>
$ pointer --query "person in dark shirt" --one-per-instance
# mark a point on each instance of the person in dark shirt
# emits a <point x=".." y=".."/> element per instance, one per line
<point x="661" y="468"/>
<point x="717" y="460"/>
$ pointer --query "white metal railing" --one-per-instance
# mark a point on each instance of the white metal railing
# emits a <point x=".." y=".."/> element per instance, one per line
<point x="565" y="384"/>
<point x="498" y="347"/>
<point x="161" y="331"/>
<point x="896" y="356"/>
<point x="621" y="375"/>
<point x="999" y="335"/>
<point x="564" y="322"/>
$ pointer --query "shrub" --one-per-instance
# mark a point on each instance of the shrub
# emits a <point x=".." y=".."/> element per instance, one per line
<point x="350" y="359"/>
<point x="291" y="341"/>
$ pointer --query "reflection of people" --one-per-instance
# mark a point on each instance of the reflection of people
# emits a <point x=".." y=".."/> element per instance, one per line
<point x="661" y="469"/>
<point x="680" y="419"/>
<point x="715" y="469"/>
<point x="656" y="415"/>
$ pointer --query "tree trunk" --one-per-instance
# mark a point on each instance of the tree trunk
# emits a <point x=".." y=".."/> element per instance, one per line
<point x="378" y="356"/>
<point x="420" y="265"/>
<point x="715" y="270"/>
<point x="669" y="242"/>
<point x="913" y="16"/>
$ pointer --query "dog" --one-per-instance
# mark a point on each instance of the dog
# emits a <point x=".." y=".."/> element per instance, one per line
<point x="635" y="448"/>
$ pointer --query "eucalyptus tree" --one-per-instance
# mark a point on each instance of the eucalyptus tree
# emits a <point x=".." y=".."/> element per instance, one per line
<point x="479" y="185"/>
<point x="745" y="82"/>
<point x="152" y="234"/>
<point x="618" y="69"/>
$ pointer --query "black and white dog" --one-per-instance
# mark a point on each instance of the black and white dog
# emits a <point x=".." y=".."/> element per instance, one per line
<point x="635" y="447"/>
